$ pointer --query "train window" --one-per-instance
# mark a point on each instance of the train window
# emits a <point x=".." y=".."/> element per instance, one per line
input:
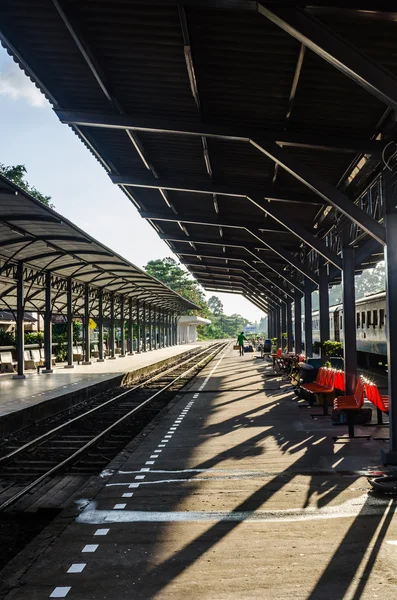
<point x="362" y="319"/>
<point x="375" y="318"/>
<point x="358" y="320"/>
<point x="381" y="317"/>
<point x="368" y="319"/>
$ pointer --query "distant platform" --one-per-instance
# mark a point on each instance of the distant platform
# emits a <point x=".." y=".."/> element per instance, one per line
<point x="23" y="401"/>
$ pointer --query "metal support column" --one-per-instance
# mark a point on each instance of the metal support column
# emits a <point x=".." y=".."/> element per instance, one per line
<point x="48" y="325"/>
<point x="163" y="328"/>
<point x="122" y="329"/>
<point x="20" y="329"/>
<point x="130" y="328"/>
<point x="155" y="327"/>
<point x="298" y="322"/>
<point x="144" y="326"/>
<point x="283" y="324"/>
<point x="324" y="306"/>
<point x="349" y="317"/>
<point x="308" y="320"/>
<point x="278" y="327"/>
<point x="69" y="323"/>
<point x="150" y="328"/>
<point x="390" y="456"/>
<point x="87" y="349"/>
<point x="289" y="325"/>
<point x="112" y="355"/>
<point x="100" y="326"/>
<point x="138" y="328"/>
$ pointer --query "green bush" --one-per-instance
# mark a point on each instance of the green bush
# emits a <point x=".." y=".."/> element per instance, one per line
<point x="34" y="337"/>
<point x="61" y="352"/>
<point x="7" y="338"/>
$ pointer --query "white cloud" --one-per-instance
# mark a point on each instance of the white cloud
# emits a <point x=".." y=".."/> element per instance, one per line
<point x="16" y="85"/>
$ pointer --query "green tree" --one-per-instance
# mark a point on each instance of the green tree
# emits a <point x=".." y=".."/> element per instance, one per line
<point x="370" y="281"/>
<point x="168" y="271"/>
<point x="16" y="174"/>
<point x="215" y="305"/>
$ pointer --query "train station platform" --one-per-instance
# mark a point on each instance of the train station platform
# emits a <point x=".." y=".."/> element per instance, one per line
<point x="23" y="401"/>
<point x="232" y="493"/>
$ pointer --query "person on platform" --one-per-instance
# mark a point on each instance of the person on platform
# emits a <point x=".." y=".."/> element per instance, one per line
<point x="240" y="341"/>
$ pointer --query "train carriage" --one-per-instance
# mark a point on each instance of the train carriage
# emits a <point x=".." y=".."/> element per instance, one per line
<point x="371" y="327"/>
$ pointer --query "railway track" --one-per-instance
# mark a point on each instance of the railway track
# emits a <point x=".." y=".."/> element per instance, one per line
<point x="83" y="444"/>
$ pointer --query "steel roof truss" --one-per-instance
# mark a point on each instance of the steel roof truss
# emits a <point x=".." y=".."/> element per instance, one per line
<point x="342" y="55"/>
<point x="300" y="139"/>
<point x="324" y="189"/>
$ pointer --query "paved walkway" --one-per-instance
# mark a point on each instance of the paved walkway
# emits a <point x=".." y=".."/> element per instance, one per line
<point x="17" y="394"/>
<point x="234" y="494"/>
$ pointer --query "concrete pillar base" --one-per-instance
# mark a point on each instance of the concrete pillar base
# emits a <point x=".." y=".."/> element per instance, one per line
<point x="121" y="355"/>
<point x="100" y="360"/>
<point x="68" y="367"/>
<point x="47" y="371"/>
<point x="19" y="376"/>
<point x="112" y="358"/>
<point x="131" y="353"/>
<point x="388" y="457"/>
<point x="86" y="362"/>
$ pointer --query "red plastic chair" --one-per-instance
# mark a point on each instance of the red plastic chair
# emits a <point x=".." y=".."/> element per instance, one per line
<point x="374" y="396"/>
<point x="350" y="405"/>
<point x="339" y="381"/>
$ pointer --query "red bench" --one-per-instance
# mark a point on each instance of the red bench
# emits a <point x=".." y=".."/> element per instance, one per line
<point x="324" y="385"/>
<point x="374" y="396"/>
<point x="350" y="405"/>
<point x="339" y="381"/>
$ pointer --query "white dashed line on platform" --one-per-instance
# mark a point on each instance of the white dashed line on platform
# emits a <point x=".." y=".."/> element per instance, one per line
<point x="60" y="592"/>
<point x="90" y="548"/>
<point x="77" y="568"/>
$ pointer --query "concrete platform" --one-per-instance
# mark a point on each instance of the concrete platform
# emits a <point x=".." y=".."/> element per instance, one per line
<point x="37" y="396"/>
<point x="235" y="494"/>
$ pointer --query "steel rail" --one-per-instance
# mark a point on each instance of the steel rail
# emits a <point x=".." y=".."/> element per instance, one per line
<point x="50" y="432"/>
<point x="100" y="435"/>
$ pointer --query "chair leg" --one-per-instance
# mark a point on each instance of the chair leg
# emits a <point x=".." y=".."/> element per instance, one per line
<point x="350" y="423"/>
<point x="350" y="428"/>
<point x="325" y="408"/>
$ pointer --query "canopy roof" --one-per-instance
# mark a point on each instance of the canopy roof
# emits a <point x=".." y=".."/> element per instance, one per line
<point x="243" y="131"/>
<point x="43" y="240"/>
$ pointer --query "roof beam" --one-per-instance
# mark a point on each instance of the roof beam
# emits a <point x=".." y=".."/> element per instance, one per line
<point x="29" y="217"/>
<point x="211" y="220"/>
<point x="324" y="189"/>
<point x="206" y="187"/>
<point x="200" y="274"/>
<point x="235" y="133"/>
<point x="275" y="296"/>
<point x="251" y="264"/>
<point x="315" y="35"/>
<point x="302" y="233"/>
<point x="251" y="248"/>
<point x="251" y="293"/>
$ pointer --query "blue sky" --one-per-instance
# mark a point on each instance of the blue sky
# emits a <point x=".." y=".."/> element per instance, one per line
<point x="60" y="166"/>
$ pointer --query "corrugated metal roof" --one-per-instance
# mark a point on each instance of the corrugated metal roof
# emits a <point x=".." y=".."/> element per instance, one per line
<point x="44" y="240"/>
<point x="205" y="64"/>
